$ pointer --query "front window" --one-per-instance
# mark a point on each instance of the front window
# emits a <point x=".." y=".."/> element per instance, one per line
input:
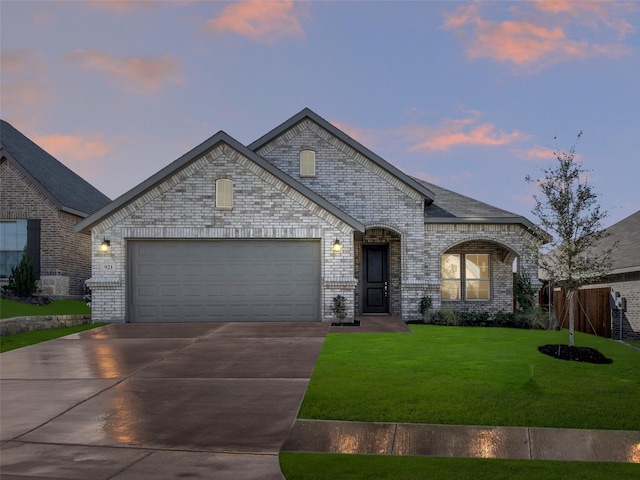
<point x="451" y="275"/>
<point x="475" y="277"/>
<point x="13" y="240"/>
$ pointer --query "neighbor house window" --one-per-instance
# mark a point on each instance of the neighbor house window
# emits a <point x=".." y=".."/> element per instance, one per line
<point x="451" y="277"/>
<point x="13" y="240"/>
<point x="307" y="163"/>
<point x="224" y="193"/>
<point x="475" y="278"/>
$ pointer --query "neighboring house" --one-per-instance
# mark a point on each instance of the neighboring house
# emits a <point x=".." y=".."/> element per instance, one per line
<point x="624" y="277"/>
<point x="41" y="201"/>
<point x="277" y="229"/>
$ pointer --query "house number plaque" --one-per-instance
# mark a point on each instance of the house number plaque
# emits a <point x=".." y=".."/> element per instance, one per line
<point x="108" y="267"/>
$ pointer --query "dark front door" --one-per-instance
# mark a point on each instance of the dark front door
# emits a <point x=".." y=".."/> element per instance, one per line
<point x="375" y="268"/>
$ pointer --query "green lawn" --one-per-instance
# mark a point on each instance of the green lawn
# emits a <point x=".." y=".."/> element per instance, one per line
<point x="323" y="466"/>
<point x="19" y="340"/>
<point x="9" y="308"/>
<point x="473" y="376"/>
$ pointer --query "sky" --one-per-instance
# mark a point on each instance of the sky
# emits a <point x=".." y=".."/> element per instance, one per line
<point x="472" y="96"/>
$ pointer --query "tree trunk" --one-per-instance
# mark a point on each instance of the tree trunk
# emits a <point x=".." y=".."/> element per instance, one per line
<point x="571" y="319"/>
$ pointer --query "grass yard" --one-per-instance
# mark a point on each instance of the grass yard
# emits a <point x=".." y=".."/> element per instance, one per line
<point x="9" y="308"/>
<point x="322" y="466"/>
<point x="473" y="376"/>
<point x="24" y="339"/>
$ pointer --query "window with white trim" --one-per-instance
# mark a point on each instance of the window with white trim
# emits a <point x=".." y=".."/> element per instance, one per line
<point x="307" y="163"/>
<point x="475" y="277"/>
<point x="224" y="193"/>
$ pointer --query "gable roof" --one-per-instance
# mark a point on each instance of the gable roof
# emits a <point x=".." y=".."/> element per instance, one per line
<point x="452" y="207"/>
<point x="623" y="240"/>
<point x="358" y="147"/>
<point x="67" y="190"/>
<point x="197" y="152"/>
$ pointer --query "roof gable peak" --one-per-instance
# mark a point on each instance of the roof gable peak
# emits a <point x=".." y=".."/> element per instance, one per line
<point x="309" y="114"/>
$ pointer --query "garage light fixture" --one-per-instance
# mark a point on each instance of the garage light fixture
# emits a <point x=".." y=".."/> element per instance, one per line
<point x="104" y="246"/>
<point x="337" y="246"/>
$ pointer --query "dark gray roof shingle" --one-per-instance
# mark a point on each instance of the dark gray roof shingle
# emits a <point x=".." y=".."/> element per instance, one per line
<point x="625" y="253"/>
<point x="61" y="185"/>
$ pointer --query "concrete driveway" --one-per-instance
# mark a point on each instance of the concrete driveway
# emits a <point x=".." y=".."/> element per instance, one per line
<point x="156" y="401"/>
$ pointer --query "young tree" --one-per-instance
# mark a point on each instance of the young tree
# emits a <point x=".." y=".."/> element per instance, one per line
<point x="567" y="208"/>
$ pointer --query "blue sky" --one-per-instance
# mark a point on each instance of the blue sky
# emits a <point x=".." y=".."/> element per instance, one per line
<point x="472" y="96"/>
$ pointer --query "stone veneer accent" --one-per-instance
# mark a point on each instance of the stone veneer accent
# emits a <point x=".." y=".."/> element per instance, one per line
<point x="11" y="326"/>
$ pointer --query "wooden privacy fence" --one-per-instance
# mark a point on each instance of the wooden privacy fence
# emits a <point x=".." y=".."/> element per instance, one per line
<point x="591" y="311"/>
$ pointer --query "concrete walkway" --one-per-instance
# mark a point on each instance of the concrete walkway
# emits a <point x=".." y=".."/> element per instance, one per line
<point x="464" y="441"/>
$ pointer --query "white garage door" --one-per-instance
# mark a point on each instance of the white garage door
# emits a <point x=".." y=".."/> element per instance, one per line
<point x="224" y="280"/>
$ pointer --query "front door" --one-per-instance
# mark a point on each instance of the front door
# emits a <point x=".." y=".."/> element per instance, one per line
<point x="375" y="270"/>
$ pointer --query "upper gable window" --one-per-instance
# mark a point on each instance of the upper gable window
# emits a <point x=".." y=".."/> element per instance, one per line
<point x="307" y="163"/>
<point x="224" y="193"/>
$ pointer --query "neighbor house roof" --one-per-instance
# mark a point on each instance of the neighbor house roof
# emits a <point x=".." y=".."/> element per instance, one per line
<point x="197" y="152"/>
<point x="67" y="190"/>
<point x="623" y="240"/>
<point x="314" y="117"/>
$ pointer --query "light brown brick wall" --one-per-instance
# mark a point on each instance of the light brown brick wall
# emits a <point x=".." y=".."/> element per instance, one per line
<point x="62" y="251"/>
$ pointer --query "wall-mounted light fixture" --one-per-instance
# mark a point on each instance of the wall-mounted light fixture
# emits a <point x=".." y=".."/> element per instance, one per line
<point x="104" y="246"/>
<point x="337" y="246"/>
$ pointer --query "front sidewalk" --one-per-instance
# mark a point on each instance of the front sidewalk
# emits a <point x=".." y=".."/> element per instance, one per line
<point x="525" y="443"/>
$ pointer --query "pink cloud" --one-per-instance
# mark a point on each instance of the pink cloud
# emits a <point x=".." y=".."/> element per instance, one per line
<point x="536" y="152"/>
<point x="134" y="74"/>
<point x="261" y="21"/>
<point x="456" y="132"/>
<point x="540" y="33"/>
<point x="74" y="148"/>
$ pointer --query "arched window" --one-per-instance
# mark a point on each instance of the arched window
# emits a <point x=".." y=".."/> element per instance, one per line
<point x="307" y="163"/>
<point x="224" y="193"/>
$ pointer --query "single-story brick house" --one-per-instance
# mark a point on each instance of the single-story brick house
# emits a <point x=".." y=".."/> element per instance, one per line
<point x="277" y="229"/>
<point x="41" y="201"/>
<point x="624" y="277"/>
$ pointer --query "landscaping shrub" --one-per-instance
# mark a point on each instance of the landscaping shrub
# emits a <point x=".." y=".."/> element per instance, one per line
<point x="532" y="318"/>
<point x="22" y="281"/>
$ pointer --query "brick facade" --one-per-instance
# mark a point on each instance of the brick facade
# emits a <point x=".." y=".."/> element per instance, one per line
<point x="368" y="193"/>
<point x="65" y="256"/>
<point x="183" y="207"/>
<point x="503" y="242"/>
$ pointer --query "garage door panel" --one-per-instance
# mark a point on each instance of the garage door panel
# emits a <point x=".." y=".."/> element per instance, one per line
<point x="224" y="280"/>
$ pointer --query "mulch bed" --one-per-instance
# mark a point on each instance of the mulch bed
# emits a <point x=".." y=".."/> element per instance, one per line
<point x="355" y="323"/>
<point x="578" y="354"/>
